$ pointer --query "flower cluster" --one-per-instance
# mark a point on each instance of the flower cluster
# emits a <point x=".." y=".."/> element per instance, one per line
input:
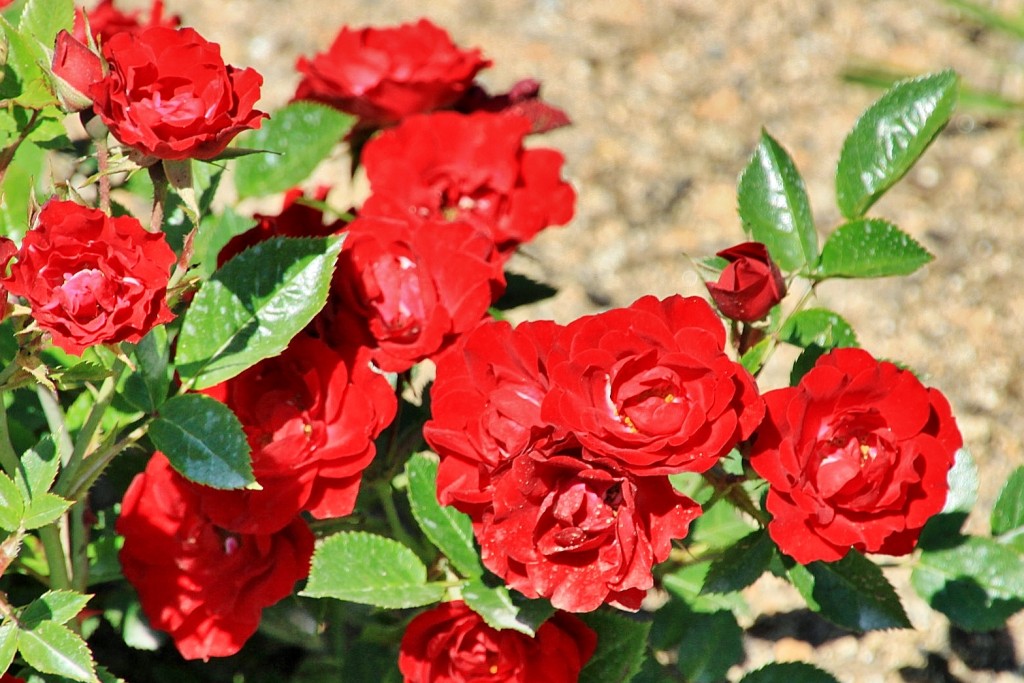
<point x="557" y="441"/>
<point x="453" y="194"/>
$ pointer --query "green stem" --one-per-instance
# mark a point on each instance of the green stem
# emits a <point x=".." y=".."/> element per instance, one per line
<point x="774" y="336"/>
<point x="102" y="159"/>
<point x="55" y="420"/>
<point x="93" y="466"/>
<point x="159" y="178"/>
<point x="79" y="534"/>
<point x="385" y="493"/>
<point x="56" y="558"/>
<point x="92" y="422"/>
<point x="731" y="489"/>
<point x="8" y="456"/>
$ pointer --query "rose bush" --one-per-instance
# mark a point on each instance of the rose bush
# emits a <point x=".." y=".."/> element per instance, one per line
<point x="295" y="367"/>
<point x="452" y="644"/>
<point x="855" y="456"/>
<point x="385" y="74"/>
<point x="91" y="279"/>
<point x="169" y="95"/>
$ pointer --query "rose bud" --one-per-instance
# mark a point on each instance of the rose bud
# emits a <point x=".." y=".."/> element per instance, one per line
<point x="75" y="67"/>
<point x="750" y="285"/>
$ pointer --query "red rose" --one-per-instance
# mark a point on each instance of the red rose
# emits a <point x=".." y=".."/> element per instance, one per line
<point x="408" y="290"/>
<point x="470" y="168"/>
<point x="856" y="456"/>
<point x="204" y="585"/>
<point x="580" y="531"/>
<point x="650" y="386"/>
<point x="750" y="285"/>
<point x="311" y="418"/>
<point x="452" y="644"/>
<point x="91" y="279"/>
<point x="8" y="678"/>
<point x="106" y="21"/>
<point x="170" y="96"/>
<point x="485" y="403"/>
<point x="385" y="74"/>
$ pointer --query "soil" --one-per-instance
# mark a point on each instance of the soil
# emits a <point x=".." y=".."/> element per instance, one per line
<point x="668" y="99"/>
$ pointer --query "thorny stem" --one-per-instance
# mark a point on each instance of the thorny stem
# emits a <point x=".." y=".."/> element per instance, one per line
<point x="8" y="457"/>
<point x="55" y="421"/>
<point x="103" y="158"/>
<point x="159" y="178"/>
<point x="731" y="489"/>
<point x="775" y="335"/>
<point x="56" y="558"/>
<point x="93" y="466"/>
<point x="92" y="422"/>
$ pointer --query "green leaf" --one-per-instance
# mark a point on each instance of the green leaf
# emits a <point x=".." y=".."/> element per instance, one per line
<point x="372" y="570"/>
<point x="943" y="530"/>
<point x="774" y="208"/>
<point x="818" y="326"/>
<point x="44" y="509"/>
<point x="12" y="506"/>
<point x="43" y="20"/>
<point x="214" y="233"/>
<point x="301" y="135"/>
<point x="53" y="649"/>
<point x="447" y="528"/>
<point x="17" y="186"/>
<point x="740" y="565"/>
<point x="58" y="606"/>
<point x="711" y="644"/>
<point x="179" y="176"/>
<point x="870" y="247"/>
<point x="252" y="307"/>
<point x="204" y="441"/>
<point x="852" y="593"/>
<point x="720" y="526"/>
<point x="496" y="607"/>
<point x="1008" y="513"/>
<point x="621" y="644"/>
<point x="687" y="582"/>
<point x="890" y="137"/>
<point x="977" y="583"/>
<point x="789" y="672"/>
<point x="521" y="291"/>
<point x="147" y="388"/>
<point x="38" y="469"/>
<point x="755" y="356"/>
<point x="8" y="644"/>
<point x="804" y="363"/>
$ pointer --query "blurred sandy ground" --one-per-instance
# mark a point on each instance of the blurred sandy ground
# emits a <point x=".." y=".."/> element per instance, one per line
<point x="668" y="99"/>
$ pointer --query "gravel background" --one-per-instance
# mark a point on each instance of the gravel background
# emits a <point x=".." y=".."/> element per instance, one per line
<point x="668" y="99"/>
